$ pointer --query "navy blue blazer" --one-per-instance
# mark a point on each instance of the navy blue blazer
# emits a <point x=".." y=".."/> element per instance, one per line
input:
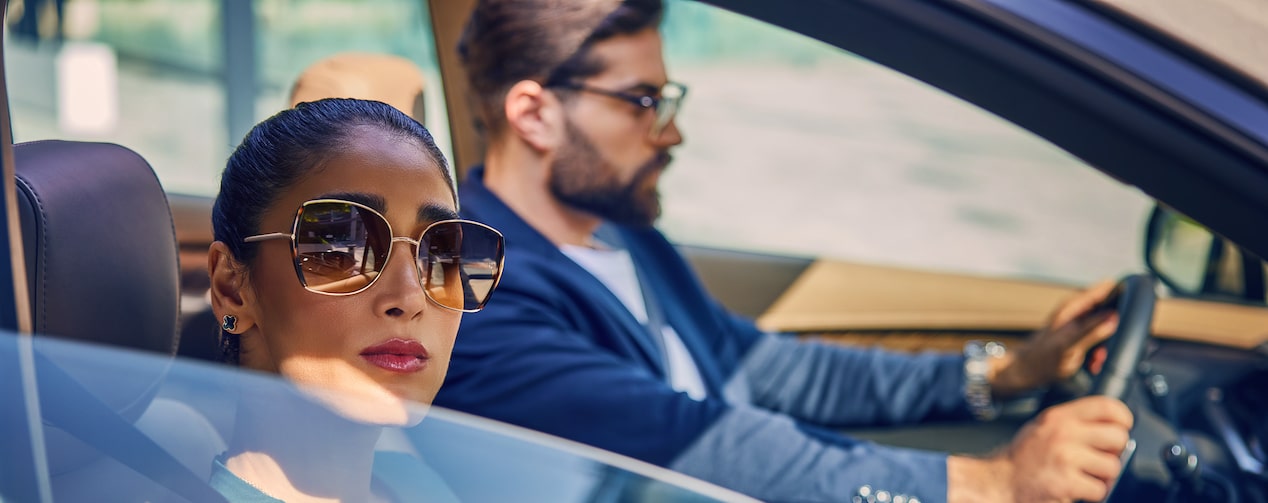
<point x="555" y="351"/>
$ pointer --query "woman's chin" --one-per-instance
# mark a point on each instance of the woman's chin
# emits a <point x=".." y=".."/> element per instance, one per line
<point x="373" y="405"/>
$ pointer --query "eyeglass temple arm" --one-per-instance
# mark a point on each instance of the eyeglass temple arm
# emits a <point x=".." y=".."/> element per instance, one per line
<point x="263" y="237"/>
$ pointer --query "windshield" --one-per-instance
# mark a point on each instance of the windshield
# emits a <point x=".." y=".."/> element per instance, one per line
<point x="117" y="401"/>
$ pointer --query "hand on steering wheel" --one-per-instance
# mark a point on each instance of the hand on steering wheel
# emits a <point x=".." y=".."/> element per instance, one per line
<point x="1108" y="366"/>
<point x="1136" y="296"/>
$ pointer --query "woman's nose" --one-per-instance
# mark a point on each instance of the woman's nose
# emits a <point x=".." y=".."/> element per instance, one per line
<point x="402" y="292"/>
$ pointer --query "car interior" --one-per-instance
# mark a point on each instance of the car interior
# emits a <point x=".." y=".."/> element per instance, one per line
<point x="140" y="282"/>
<point x="109" y="279"/>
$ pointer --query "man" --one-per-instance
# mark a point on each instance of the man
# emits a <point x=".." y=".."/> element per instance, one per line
<point x="600" y="333"/>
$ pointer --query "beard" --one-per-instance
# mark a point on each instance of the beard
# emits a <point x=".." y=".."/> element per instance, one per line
<point x="581" y="178"/>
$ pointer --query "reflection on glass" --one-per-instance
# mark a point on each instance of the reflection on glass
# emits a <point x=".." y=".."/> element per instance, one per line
<point x="192" y="410"/>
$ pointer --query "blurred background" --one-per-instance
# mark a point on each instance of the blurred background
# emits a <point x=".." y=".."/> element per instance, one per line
<point x="792" y="147"/>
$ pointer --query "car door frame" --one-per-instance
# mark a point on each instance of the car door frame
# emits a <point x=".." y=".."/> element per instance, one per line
<point x="22" y="476"/>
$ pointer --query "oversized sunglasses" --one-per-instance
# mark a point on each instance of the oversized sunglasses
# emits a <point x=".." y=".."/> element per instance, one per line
<point x="340" y="247"/>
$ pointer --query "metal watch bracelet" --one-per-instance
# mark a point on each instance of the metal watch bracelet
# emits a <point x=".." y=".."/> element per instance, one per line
<point x="977" y="388"/>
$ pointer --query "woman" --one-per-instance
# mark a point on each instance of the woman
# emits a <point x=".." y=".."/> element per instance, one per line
<point x="340" y="264"/>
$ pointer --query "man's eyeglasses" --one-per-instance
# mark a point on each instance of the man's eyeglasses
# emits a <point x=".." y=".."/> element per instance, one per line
<point x="665" y="101"/>
<point x="340" y="247"/>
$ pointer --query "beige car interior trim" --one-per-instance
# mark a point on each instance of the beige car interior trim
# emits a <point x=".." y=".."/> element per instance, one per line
<point x="448" y="18"/>
<point x="836" y="296"/>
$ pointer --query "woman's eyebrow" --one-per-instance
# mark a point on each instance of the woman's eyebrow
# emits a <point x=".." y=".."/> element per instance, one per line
<point x="435" y="213"/>
<point x="374" y="201"/>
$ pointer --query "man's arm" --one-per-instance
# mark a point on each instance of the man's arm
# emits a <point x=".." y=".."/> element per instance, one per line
<point x="838" y="386"/>
<point x="841" y="386"/>
<point x="519" y="361"/>
<point x="772" y="457"/>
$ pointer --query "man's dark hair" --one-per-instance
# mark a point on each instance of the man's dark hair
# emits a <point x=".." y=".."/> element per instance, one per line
<point x="507" y="41"/>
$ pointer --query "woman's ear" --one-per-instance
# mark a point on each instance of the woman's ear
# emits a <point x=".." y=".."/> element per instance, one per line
<point x="535" y="115"/>
<point x="231" y="294"/>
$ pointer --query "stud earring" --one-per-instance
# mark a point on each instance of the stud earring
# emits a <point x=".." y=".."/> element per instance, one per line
<point x="229" y="323"/>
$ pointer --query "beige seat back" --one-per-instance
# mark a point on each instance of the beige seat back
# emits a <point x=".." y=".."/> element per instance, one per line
<point x="391" y="79"/>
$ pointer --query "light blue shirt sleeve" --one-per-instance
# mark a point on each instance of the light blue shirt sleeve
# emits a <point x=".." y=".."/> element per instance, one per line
<point x="773" y="458"/>
<point x="842" y="386"/>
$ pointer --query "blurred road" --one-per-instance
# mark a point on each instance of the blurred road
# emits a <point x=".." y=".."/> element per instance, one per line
<point x="850" y="160"/>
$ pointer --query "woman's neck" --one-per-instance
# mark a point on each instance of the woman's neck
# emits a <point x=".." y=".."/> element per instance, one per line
<point x="296" y="451"/>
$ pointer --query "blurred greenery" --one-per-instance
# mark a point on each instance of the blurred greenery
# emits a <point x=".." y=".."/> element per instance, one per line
<point x="292" y="33"/>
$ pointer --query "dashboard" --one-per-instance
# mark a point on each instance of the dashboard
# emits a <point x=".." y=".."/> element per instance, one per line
<point x="1201" y="425"/>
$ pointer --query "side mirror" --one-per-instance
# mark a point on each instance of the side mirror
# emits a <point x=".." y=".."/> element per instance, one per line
<point x="1194" y="262"/>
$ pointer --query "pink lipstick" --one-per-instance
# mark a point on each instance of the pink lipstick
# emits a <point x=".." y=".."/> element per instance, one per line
<point x="397" y="355"/>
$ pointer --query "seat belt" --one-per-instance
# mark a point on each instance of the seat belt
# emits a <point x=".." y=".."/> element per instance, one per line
<point x="77" y="411"/>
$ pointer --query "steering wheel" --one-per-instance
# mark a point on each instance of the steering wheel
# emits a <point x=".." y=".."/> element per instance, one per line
<point x="1133" y="299"/>
<point x="1136" y="296"/>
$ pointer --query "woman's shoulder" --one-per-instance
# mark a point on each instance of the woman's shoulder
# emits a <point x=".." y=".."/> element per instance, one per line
<point x="233" y="487"/>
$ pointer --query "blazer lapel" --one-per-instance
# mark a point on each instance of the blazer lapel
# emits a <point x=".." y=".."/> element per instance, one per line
<point x="523" y="238"/>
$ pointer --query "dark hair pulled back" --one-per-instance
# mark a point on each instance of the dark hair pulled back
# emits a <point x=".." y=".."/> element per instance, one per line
<point x="277" y="152"/>
<point x="284" y="147"/>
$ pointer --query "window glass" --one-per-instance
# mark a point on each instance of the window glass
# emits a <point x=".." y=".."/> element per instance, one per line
<point x="192" y="415"/>
<point x="795" y="147"/>
<point x="148" y="74"/>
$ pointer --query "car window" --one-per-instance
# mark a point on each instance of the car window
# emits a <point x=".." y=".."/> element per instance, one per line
<point x="148" y="73"/>
<point x="114" y="401"/>
<point x="795" y="147"/>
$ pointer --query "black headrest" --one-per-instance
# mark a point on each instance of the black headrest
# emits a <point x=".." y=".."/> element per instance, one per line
<point x="100" y="246"/>
<point x="101" y="264"/>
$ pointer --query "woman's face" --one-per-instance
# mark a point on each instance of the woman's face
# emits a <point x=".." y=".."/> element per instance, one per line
<point x="375" y="347"/>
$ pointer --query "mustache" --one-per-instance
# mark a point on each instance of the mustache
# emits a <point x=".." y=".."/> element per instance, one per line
<point x="658" y="162"/>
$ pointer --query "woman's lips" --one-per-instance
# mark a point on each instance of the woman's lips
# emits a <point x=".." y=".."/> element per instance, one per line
<point x="397" y="355"/>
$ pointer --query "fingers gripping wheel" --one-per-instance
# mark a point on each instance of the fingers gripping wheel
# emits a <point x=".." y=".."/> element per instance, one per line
<point x="1134" y="299"/>
<point x="1135" y="296"/>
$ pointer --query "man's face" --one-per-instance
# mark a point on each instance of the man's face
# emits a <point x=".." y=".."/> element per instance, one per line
<point x="611" y="164"/>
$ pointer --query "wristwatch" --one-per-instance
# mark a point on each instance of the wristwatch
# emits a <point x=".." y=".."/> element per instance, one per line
<point x="977" y="389"/>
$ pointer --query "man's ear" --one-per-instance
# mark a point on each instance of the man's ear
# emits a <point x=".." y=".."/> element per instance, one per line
<point x="231" y="293"/>
<point x="535" y="115"/>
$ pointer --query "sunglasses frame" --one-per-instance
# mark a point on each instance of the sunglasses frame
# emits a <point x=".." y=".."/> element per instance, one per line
<point x="417" y="243"/>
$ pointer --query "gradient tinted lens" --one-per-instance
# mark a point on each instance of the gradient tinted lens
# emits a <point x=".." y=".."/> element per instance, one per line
<point x="461" y="262"/>
<point x="340" y="247"/>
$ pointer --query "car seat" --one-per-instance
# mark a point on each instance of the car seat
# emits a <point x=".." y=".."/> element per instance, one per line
<point x="383" y="77"/>
<point x="101" y="263"/>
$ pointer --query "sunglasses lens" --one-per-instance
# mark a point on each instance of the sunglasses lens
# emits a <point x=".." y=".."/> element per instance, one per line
<point x="461" y="263"/>
<point x="340" y="247"/>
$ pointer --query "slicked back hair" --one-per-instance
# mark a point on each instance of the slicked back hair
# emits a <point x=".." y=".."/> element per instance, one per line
<point x="547" y="41"/>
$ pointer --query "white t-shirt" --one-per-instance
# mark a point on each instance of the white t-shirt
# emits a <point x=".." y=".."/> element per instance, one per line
<point x="615" y="269"/>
